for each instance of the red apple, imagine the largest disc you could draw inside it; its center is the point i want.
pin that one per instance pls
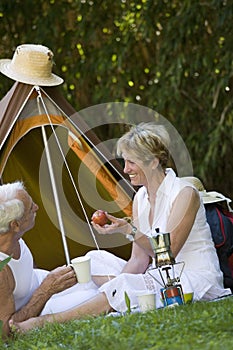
(99, 217)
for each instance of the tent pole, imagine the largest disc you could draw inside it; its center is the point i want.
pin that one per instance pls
(55, 194)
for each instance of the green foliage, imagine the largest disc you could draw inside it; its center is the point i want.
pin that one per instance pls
(204, 326)
(171, 56)
(4, 262)
(127, 302)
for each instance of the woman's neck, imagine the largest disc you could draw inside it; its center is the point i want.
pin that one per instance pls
(154, 183)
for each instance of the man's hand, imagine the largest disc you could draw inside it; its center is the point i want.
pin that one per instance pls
(59, 279)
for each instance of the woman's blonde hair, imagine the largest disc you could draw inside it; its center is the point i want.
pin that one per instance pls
(146, 141)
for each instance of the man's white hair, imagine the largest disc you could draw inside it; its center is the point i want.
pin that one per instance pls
(11, 208)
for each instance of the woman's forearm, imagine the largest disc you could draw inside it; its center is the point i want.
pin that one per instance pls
(136, 265)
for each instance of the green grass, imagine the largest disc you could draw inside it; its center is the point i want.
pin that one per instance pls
(200, 325)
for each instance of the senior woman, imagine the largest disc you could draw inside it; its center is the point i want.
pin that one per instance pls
(163, 202)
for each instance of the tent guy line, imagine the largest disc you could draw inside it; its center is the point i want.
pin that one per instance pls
(52, 178)
(53, 181)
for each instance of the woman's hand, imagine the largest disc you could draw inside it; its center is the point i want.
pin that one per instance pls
(117, 225)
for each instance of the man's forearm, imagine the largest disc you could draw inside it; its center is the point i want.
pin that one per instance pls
(34, 306)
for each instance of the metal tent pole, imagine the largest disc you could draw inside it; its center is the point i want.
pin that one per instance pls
(55, 194)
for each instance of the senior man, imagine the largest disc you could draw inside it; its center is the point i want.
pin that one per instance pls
(25, 291)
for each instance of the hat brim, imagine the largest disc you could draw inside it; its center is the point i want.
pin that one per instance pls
(5, 68)
(211, 197)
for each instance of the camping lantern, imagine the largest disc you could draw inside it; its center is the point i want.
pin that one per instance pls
(169, 270)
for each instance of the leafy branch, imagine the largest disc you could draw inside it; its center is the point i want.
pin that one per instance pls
(4, 262)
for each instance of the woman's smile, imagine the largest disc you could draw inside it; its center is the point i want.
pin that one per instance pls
(132, 176)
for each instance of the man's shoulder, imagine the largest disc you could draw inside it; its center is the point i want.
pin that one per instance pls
(7, 282)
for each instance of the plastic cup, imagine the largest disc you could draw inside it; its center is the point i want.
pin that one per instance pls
(146, 301)
(82, 268)
(188, 298)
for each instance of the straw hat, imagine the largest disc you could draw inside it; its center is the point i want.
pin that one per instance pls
(207, 197)
(31, 64)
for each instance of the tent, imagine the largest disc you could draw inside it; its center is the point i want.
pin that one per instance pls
(66, 170)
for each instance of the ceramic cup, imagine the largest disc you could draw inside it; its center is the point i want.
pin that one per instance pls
(146, 301)
(82, 268)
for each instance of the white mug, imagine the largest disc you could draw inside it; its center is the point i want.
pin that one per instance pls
(82, 268)
(146, 301)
